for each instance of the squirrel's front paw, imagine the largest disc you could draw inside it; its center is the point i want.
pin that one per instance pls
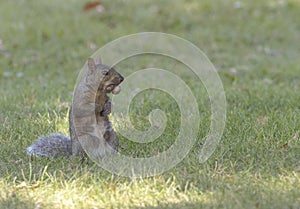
(106, 109)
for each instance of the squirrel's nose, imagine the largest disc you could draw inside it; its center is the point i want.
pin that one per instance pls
(121, 78)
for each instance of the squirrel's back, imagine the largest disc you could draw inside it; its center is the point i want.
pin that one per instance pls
(53, 145)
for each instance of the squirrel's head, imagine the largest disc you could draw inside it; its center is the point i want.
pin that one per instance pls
(110, 78)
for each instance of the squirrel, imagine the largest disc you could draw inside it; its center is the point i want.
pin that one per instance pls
(89, 125)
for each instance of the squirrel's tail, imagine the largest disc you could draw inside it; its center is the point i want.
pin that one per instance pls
(53, 145)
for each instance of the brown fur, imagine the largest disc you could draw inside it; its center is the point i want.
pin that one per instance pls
(93, 128)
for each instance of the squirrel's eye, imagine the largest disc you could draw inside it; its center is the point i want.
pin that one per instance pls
(105, 72)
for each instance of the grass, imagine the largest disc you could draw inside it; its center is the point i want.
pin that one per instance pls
(254, 46)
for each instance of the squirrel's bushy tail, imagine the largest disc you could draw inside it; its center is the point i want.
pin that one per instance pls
(53, 145)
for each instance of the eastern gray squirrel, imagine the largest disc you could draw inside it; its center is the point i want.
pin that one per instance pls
(88, 117)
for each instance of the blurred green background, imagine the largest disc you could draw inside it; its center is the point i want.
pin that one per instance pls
(255, 47)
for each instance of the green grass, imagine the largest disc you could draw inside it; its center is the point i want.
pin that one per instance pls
(255, 48)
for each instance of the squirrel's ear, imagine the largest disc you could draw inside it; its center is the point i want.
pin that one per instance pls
(98, 61)
(91, 64)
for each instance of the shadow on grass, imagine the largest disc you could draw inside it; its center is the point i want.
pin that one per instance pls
(15, 202)
(185, 205)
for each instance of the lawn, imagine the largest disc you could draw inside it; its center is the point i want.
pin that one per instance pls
(255, 48)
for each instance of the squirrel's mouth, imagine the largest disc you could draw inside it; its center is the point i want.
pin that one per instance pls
(113, 88)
